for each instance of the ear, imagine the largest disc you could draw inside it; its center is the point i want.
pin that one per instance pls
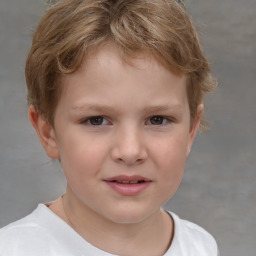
(45, 132)
(194, 127)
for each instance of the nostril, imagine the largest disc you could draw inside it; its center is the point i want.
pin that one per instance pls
(130, 161)
(129, 151)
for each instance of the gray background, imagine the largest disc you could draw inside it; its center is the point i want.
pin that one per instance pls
(219, 188)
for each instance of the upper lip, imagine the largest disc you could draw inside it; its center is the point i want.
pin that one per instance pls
(128, 178)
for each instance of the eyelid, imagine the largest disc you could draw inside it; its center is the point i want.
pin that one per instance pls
(166, 119)
(87, 120)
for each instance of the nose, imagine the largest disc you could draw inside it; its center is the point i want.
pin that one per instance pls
(129, 146)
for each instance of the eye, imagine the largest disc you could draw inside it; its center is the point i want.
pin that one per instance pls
(96, 121)
(157, 120)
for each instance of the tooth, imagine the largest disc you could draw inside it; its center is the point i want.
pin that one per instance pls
(128, 182)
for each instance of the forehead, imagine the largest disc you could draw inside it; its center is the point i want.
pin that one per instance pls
(106, 71)
(110, 49)
(110, 55)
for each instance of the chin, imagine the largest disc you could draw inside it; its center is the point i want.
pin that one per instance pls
(129, 216)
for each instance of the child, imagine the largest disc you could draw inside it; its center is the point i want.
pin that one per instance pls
(115, 91)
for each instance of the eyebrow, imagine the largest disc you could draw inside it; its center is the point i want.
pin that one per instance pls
(93, 107)
(112, 109)
(165, 107)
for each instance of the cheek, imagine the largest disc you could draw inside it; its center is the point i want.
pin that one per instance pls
(82, 166)
(170, 158)
(172, 149)
(81, 157)
(173, 163)
(171, 172)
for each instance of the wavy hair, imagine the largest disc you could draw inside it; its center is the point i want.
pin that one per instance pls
(70, 28)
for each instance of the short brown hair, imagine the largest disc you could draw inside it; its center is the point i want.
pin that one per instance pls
(70, 28)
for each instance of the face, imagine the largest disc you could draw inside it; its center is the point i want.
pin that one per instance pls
(122, 132)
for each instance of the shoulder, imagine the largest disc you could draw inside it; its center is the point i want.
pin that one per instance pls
(25, 236)
(18, 228)
(43, 233)
(191, 239)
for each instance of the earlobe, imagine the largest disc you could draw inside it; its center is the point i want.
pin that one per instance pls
(195, 126)
(45, 132)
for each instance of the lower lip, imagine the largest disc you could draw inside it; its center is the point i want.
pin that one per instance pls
(128, 189)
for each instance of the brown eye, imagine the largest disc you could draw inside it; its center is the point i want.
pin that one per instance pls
(97, 120)
(157, 120)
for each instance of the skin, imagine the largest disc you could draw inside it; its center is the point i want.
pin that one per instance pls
(144, 129)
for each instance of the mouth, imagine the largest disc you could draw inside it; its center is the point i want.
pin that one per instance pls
(128, 179)
(128, 185)
(128, 182)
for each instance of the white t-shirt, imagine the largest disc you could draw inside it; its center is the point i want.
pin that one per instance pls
(42, 233)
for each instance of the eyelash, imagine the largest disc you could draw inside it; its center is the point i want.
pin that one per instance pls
(90, 121)
(164, 120)
(103, 121)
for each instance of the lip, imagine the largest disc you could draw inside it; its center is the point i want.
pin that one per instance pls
(128, 187)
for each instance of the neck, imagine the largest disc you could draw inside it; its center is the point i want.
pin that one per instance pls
(118, 238)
